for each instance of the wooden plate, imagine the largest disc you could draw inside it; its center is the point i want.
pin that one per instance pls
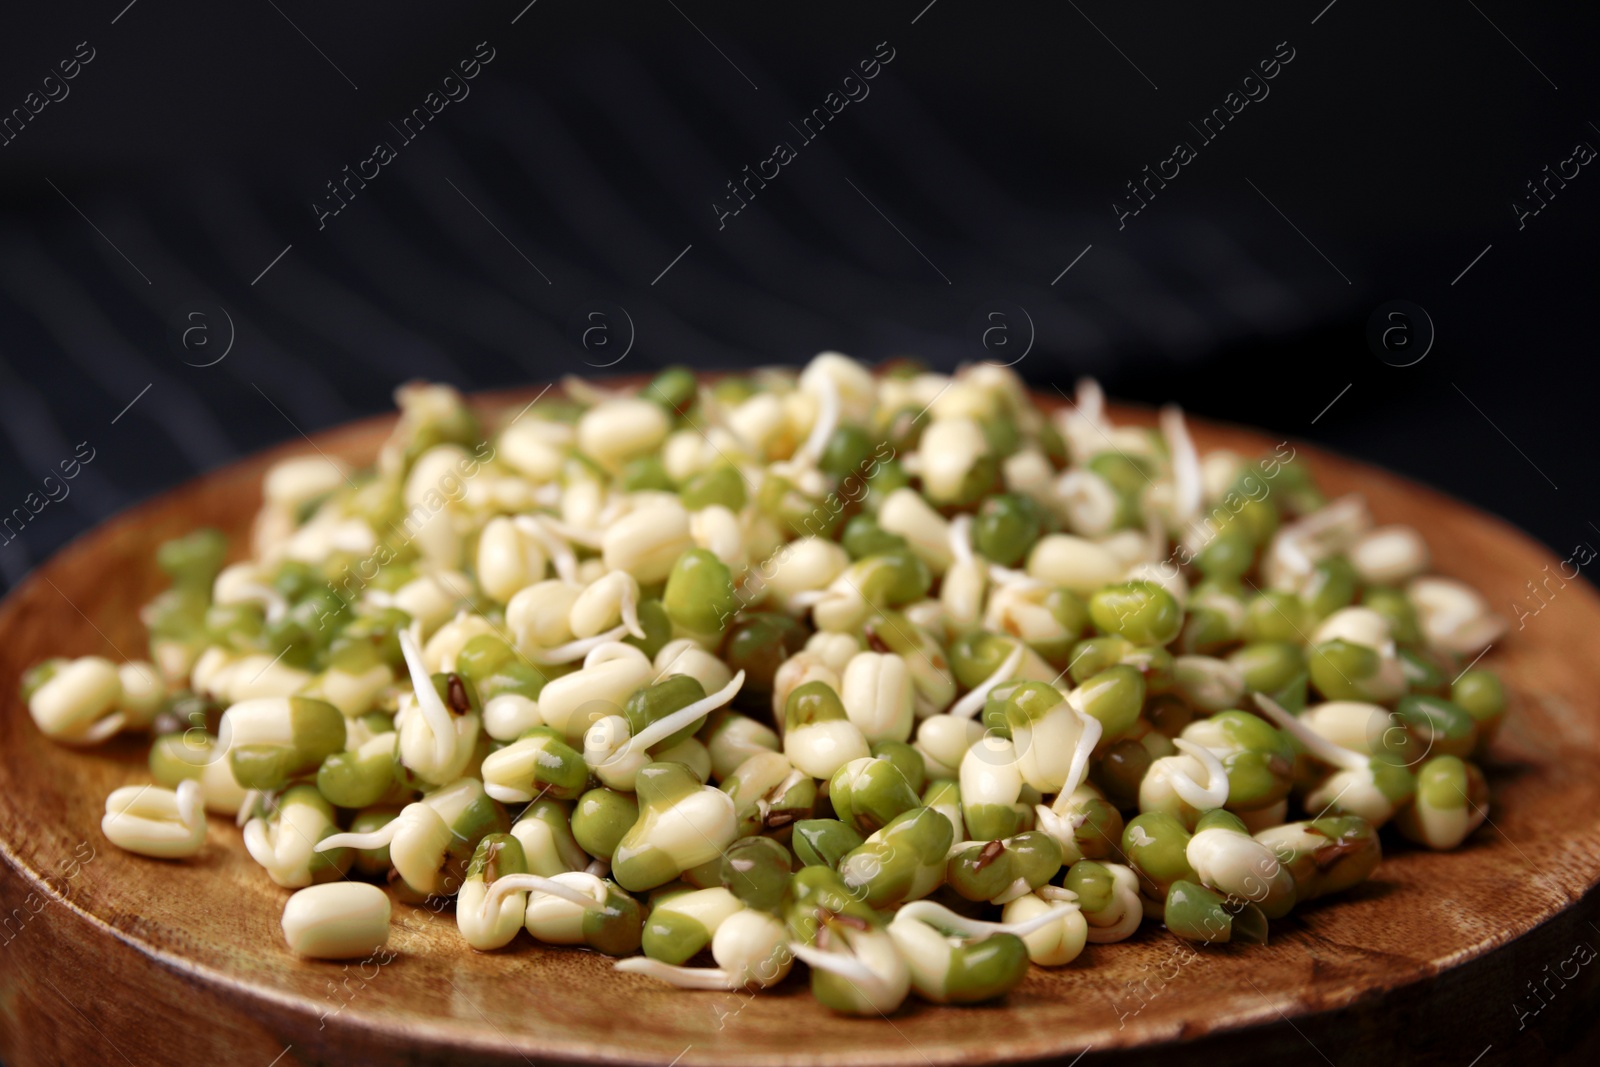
(109, 957)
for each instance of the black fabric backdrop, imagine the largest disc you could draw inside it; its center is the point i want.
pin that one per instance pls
(585, 167)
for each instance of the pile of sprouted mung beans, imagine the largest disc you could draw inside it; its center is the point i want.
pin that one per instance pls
(892, 674)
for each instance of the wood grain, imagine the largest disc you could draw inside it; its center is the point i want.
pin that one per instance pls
(113, 958)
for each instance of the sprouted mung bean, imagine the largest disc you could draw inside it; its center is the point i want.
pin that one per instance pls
(899, 677)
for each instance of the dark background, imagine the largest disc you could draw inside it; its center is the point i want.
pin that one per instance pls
(985, 160)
